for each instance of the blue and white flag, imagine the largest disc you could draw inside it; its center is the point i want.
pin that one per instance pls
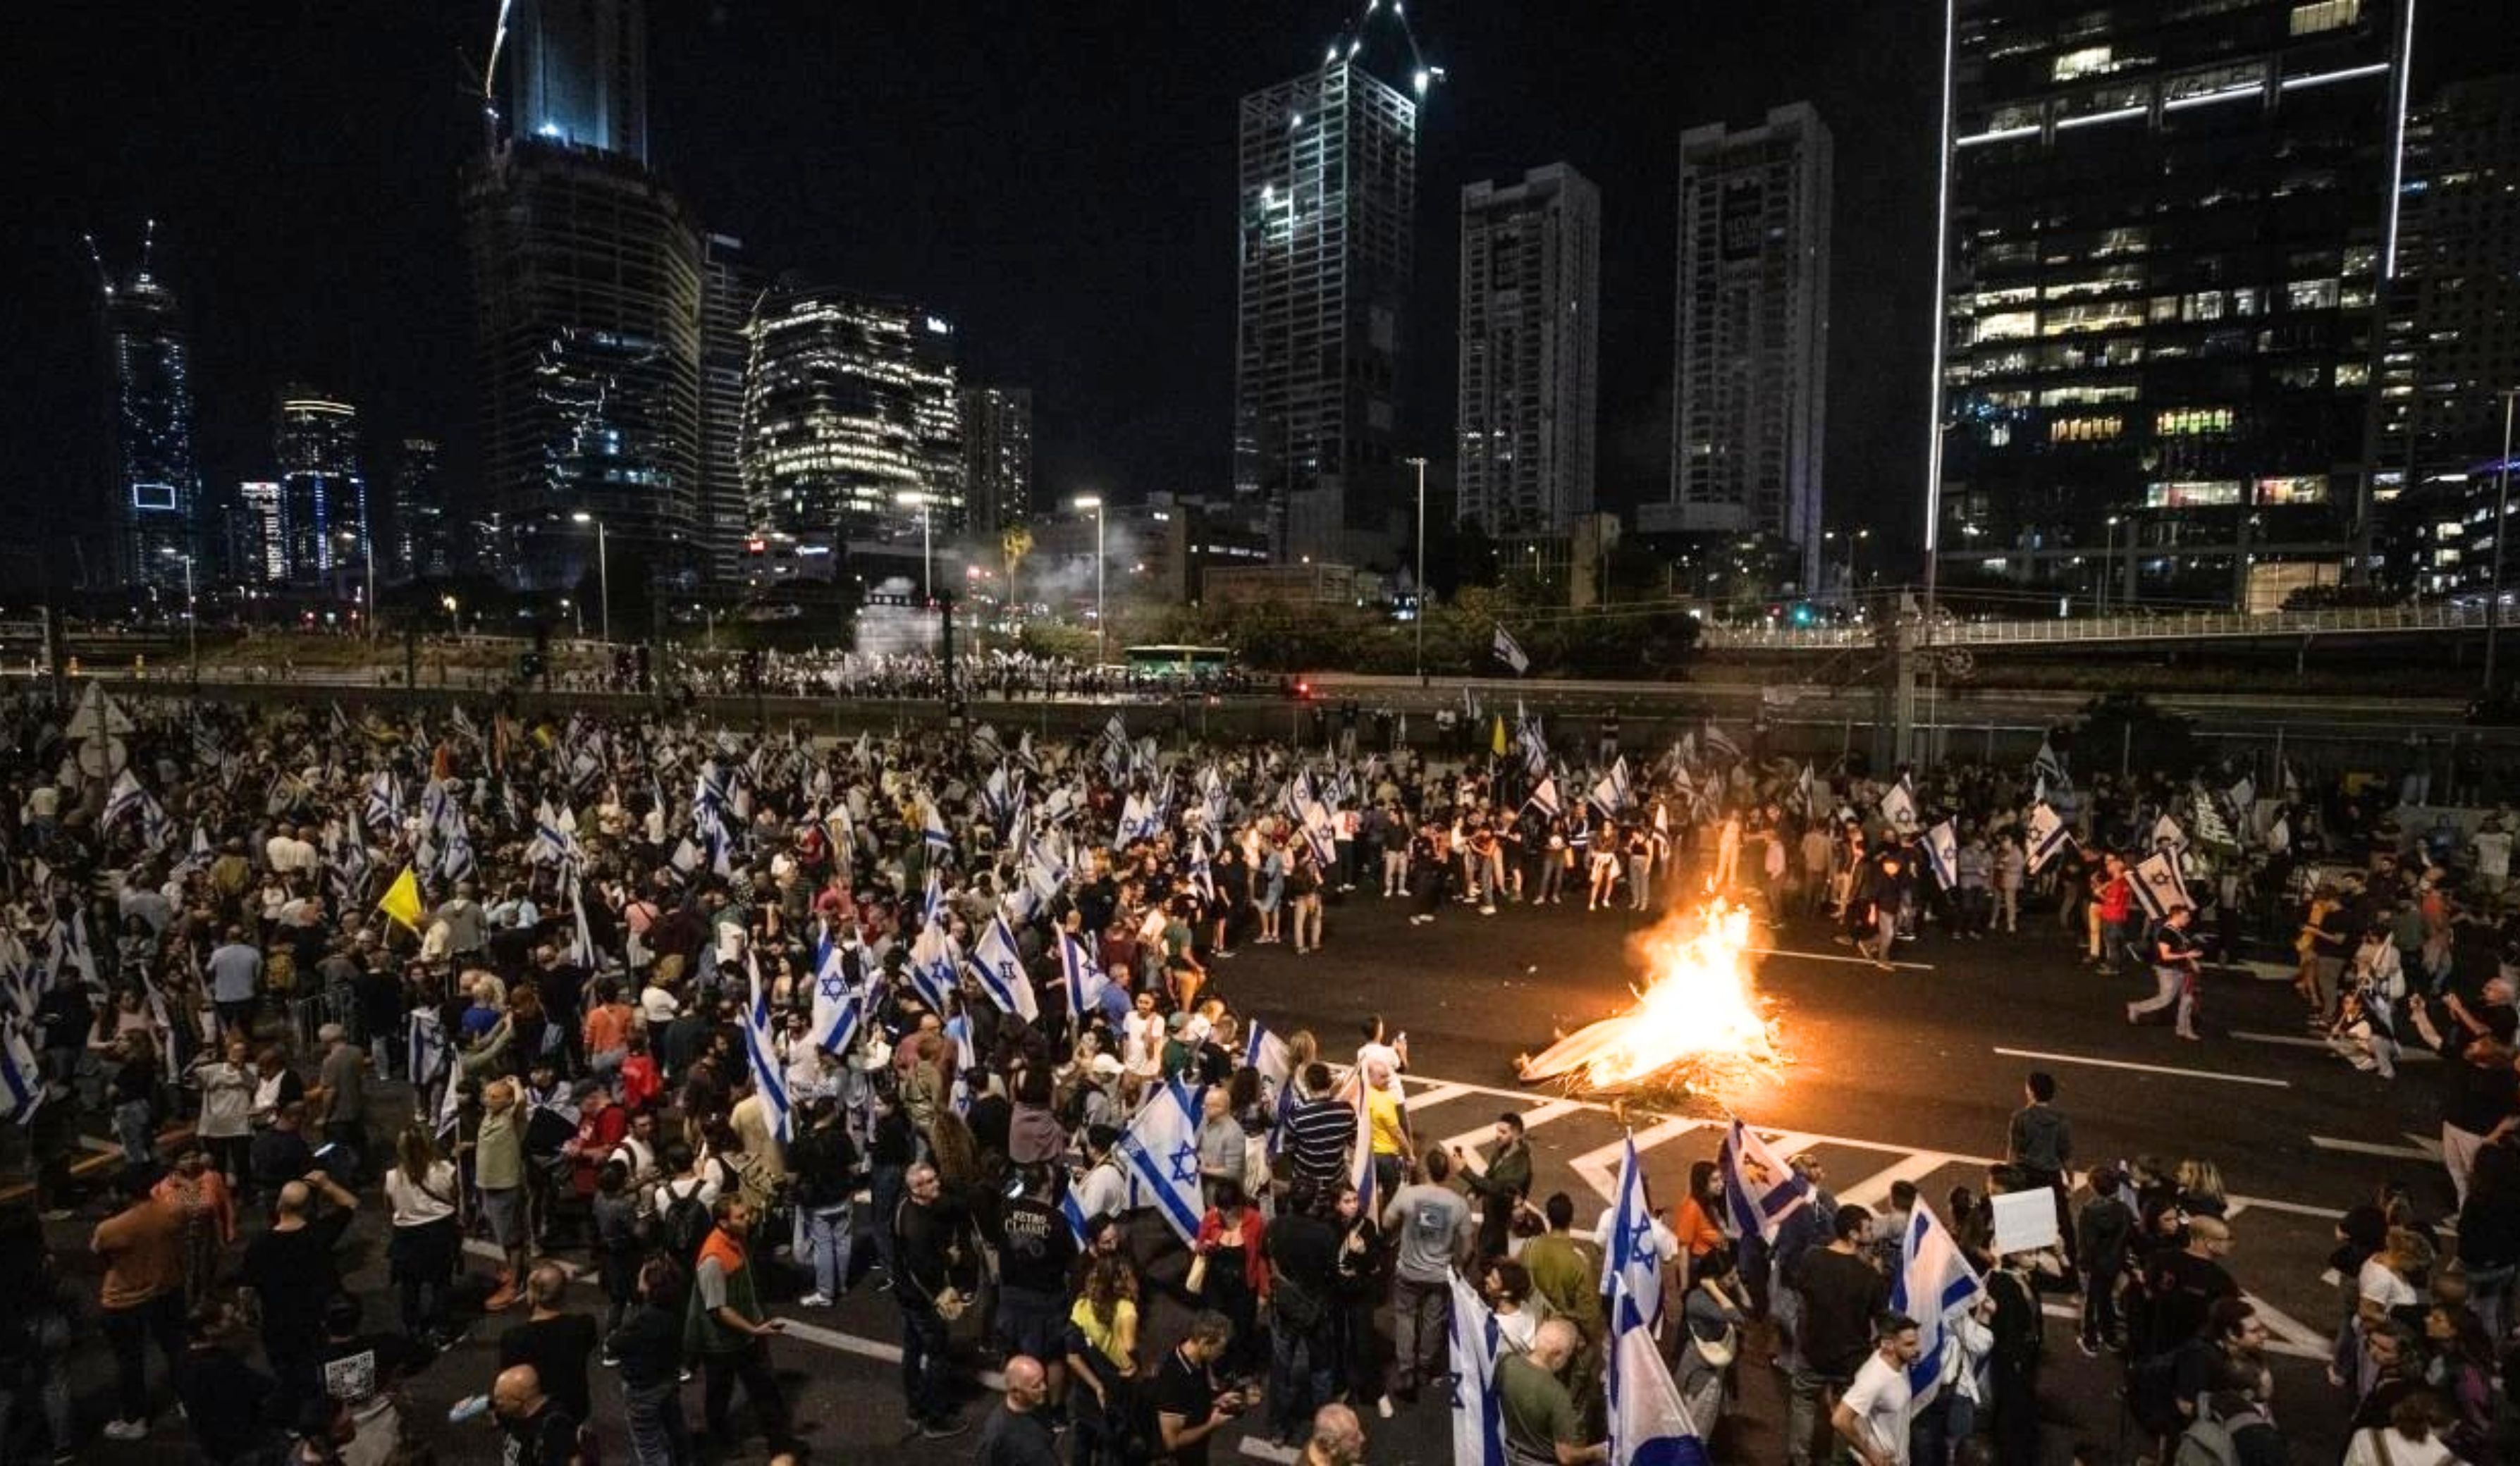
(761, 1049)
(932, 966)
(1934, 1280)
(21, 1079)
(2158, 886)
(1267, 1052)
(933, 827)
(1086, 978)
(1649, 1423)
(2047, 768)
(1760, 1190)
(1510, 652)
(1545, 798)
(424, 1052)
(2045, 835)
(582, 951)
(1631, 1263)
(1070, 1207)
(1942, 853)
(1610, 791)
(1718, 745)
(838, 1010)
(1899, 806)
(1160, 1150)
(1360, 1161)
(1000, 965)
(385, 800)
(1478, 1416)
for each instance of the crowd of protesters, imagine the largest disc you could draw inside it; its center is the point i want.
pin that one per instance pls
(704, 1024)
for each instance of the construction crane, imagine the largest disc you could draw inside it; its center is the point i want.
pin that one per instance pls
(1422, 75)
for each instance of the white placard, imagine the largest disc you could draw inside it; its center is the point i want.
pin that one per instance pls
(2024, 1222)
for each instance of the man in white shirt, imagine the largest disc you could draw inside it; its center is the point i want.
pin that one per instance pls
(1872, 1414)
(289, 851)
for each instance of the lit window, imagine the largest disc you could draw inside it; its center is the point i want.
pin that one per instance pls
(2192, 422)
(2007, 325)
(2303, 488)
(2204, 306)
(2324, 14)
(2085, 429)
(2353, 374)
(2310, 294)
(2193, 493)
(2087, 62)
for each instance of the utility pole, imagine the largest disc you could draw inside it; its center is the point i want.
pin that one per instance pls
(2501, 529)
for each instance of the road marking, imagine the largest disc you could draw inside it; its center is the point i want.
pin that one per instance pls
(1268, 1451)
(1468, 1141)
(2076, 1058)
(1874, 1189)
(2285, 1337)
(1434, 1094)
(2416, 1153)
(1599, 1168)
(1831, 956)
(2405, 1055)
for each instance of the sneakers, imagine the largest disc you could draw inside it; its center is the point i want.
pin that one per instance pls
(608, 1359)
(813, 1301)
(1487, 911)
(943, 1429)
(1383, 1407)
(128, 1429)
(2090, 1349)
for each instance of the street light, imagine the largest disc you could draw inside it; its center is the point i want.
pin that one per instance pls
(915, 499)
(2108, 565)
(1421, 618)
(2501, 527)
(193, 616)
(1101, 626)
(454, 622)
(603, 572)
(577, 613)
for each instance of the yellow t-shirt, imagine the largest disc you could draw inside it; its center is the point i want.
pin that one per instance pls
(1382, 1113)
(1106, 1339)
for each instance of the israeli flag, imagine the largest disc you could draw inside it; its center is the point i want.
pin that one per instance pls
(1000, 965)
(2167, 833)
(839, 1010)
(1611, 791)
(2046, 835)
(582, 951)
(2048, 768)
(761, 1048)
(1086, 978)
(1267, 1052)
(1160, 1150)
(1942, 853)
(1478, 1418)
(1934, 1280)
(424, 1050)
(1546, 799)
(1632, 1265)
(126, 798)
(1718, 745)
(1899, 807)
(932, 966)
(385, 800)
(1760, 1190)
(1073, 1210)
(1361, 1157)
(933, 828)
(1320, 832)
(22, 1079)
(2158, 888)
(1510, 652)
(1649, 1423)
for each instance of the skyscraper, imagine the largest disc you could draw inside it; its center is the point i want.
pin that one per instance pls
(2450, 347)
(1531, 280)
(586, 277)
(424, 530)
(850, 408)
(2169, 229)
(153, 486)
(323, 496)
(1750, 336)
(576, 74)
(730, 288)
(996, 456)
(258, 534)
(1329, 190)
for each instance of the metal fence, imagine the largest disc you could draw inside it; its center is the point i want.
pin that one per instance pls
(2169, 626)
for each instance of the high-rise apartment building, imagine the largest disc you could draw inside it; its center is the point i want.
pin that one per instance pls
(258, 534)
(576, 74)
(2170, 226)
(1750, 336)
(424, 527)
(152, 488)
(852, 420)
(1329, 189)
(324, 495)
(730, 288)
(1530, 308)
(586, 276)
(2451, 336)
(996, 456)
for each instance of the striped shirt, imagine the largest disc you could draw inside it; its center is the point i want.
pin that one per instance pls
(1318, 1133)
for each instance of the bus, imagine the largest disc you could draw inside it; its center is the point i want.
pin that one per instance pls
(1178, 663)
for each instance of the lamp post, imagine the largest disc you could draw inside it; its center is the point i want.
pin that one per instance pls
(2108, 564)
(2501, 527)
(602, 571)
(1421, 618)
(454, 616)
(1101, 625)
(193, 617)
(915, 498)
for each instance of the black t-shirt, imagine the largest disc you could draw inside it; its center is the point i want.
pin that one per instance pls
(1305, 1249)
(226, 1401)
(557, 1348)
(293, 1275)
(1190, 1391)
(547, 1437)
(358, 1369)
(1034, 1246)
(1841, 1294)
(2184, 1287)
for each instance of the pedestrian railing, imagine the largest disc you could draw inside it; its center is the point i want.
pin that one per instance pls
(2167, 626)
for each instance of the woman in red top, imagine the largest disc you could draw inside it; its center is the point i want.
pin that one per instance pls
(1699, 1226)
(1231, 1241)
(2112, 908)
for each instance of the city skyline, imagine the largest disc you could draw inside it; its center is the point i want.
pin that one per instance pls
(364, 164)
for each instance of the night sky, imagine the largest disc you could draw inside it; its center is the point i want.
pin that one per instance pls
(1061, 186)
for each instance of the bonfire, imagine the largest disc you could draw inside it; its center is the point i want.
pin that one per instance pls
(1697, 1023)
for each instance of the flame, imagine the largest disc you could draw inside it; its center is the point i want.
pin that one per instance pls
(1698, 1007)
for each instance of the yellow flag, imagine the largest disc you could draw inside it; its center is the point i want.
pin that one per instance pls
(1497, 745)
(402, 900)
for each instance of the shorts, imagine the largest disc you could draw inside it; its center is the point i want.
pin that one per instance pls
(504, 1208)
(1031, 1323)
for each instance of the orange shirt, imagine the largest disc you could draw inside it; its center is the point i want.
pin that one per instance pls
(608, 1026)
(143, 1247)
(1697, 1230)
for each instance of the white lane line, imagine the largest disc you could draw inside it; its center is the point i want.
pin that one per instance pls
(2284, 1338)
(2236, 1205)
(1599, 1168)
(1831, 956)
(1268, 1451)
(2370, 1148)
(2076, 1058)
(1468, 1141)
(1874, 1189)
(2405, 1055)
(1434, 1094)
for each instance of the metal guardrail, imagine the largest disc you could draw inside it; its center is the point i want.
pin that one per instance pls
(2174, 626)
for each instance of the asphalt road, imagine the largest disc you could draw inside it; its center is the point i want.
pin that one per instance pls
(1909, 1073)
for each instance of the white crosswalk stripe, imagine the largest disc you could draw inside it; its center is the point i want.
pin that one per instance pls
(1874, 1189)
(1599, 1168)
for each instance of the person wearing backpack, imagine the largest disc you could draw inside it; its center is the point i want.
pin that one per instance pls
(682, 1207)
